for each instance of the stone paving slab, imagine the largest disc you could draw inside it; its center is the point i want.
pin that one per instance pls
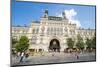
(57, 58)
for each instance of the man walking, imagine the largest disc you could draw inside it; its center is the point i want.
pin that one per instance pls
(76, 54)
(22, 56)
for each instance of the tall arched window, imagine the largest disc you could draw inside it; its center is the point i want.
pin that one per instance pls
(33, 31)
(55, 31)
(48, 30)
(51, 30)
(60, 31)
(34, 39)
(37, 30)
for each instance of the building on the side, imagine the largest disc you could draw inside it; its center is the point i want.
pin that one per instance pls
(51, 33)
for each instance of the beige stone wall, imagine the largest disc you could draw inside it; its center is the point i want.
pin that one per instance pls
(39, 32)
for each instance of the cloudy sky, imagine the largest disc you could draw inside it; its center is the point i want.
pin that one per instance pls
(23, 13)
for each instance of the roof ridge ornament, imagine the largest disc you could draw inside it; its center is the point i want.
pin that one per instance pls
(63, 15)
(46, 13)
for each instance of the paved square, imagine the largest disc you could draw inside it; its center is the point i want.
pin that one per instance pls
(54, 58)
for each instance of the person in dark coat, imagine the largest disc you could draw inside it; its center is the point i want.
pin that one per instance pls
(22, 56)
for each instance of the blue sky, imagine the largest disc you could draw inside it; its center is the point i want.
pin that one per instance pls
(23, 13)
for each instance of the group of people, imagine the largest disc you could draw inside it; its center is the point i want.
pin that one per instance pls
(22, 55)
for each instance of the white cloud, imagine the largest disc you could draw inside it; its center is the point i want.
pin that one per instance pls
(71, 14)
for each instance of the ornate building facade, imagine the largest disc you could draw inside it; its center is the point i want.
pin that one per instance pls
(51, 32)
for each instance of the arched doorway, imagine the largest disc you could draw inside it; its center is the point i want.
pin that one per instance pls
(54, 45)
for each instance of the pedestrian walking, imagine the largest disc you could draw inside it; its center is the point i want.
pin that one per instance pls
(76, 55)
(53, 54)
(18, 55)
(22, 56)
(26, 55)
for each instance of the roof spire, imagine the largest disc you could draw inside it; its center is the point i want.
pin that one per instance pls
(63, 14)
(46, 13)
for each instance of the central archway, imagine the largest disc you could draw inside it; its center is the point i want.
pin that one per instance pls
(54, 45)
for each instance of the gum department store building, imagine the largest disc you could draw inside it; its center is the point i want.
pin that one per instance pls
(50, 33)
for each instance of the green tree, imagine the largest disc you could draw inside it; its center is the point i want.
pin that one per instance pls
(89, 43)
(14, 42)
(94, 42)
(22, 44)
(79, 43)
(70, 43)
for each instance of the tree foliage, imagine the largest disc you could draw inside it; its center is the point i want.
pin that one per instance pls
(14, 42)
(94, 42)
(22, 44)
(79, 43)
(91, 43)
(70, 43)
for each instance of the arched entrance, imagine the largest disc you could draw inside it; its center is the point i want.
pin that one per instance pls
(54, 45)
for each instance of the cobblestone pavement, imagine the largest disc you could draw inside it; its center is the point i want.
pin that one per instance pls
(54, 58)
